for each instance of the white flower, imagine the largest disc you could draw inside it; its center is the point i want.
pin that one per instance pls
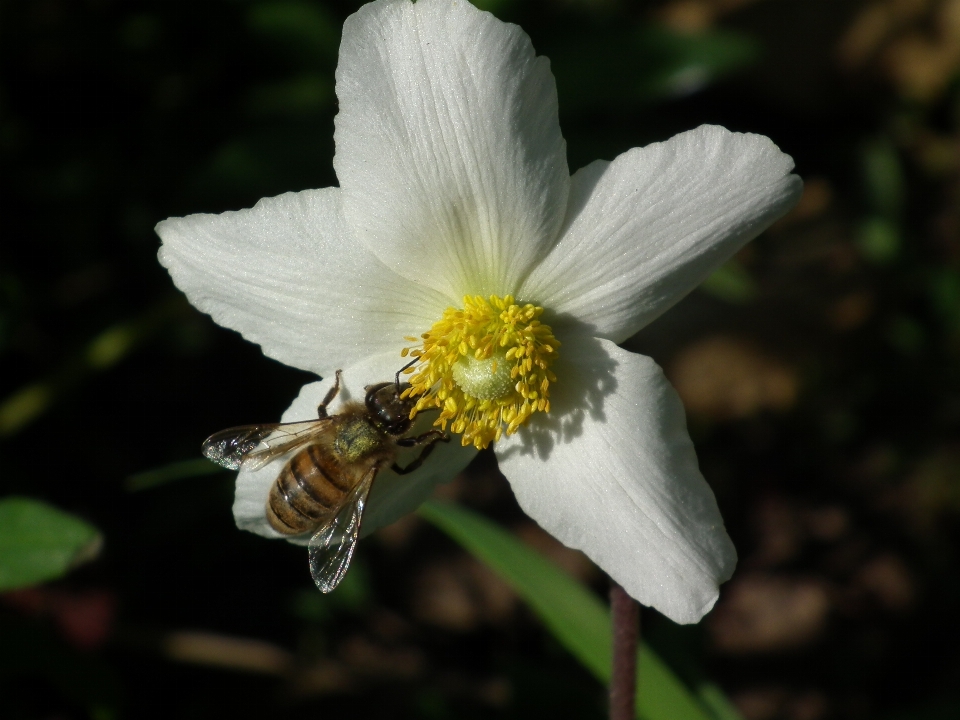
(455, 197)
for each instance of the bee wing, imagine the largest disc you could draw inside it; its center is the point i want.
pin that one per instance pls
(253, 446)
(331, 548)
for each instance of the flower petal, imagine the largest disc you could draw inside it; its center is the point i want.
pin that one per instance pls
(643, 231)
(288, 275)
(392, 495)
(449, 150)
(612, 472)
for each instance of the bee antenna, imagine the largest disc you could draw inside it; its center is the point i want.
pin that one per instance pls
(400, 371)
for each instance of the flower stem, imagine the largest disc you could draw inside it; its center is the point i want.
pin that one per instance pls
(625, 615)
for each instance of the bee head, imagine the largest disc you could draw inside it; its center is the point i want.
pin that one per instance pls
(389, 410)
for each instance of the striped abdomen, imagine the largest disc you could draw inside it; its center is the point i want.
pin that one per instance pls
(310, 489)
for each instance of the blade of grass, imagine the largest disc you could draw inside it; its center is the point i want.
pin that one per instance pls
(572, 613)
(713, 698)
(168, 473)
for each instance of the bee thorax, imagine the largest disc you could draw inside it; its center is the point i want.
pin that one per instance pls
(358, 439)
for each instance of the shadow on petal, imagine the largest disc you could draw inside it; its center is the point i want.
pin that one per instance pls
(585, 378)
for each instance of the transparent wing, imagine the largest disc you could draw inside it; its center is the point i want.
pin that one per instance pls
(253, 446)
(331, 548)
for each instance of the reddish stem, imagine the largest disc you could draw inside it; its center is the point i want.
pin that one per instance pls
(625, 615)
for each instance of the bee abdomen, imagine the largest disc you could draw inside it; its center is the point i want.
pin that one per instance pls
(307, 491)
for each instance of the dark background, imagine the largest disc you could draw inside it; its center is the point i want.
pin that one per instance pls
(819, 369)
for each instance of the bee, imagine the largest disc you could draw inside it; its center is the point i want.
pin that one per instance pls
(323, 488)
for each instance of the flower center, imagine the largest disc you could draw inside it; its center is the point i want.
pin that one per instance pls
(487, 367)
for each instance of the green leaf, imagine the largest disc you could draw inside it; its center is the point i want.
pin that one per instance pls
(713, 698)
(571, 612)
(39, 542)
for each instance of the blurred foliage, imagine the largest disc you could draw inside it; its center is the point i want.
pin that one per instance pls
(38, 542)
(571, 612)
(182, 470)
(820, 369)
(619, 67)
(731, 282)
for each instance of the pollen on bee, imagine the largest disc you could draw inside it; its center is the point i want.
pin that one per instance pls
(485, 366)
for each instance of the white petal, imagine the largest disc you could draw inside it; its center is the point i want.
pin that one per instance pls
(392, 495)
(612, 472)
(449, 150)
(288, 275)
(643, 231)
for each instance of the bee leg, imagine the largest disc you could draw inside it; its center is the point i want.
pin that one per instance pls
(434, 436)
(431, 435)
(331, 394)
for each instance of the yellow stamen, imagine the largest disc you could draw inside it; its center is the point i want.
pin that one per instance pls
(486, 367)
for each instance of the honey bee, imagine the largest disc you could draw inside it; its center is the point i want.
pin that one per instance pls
(323, 488)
